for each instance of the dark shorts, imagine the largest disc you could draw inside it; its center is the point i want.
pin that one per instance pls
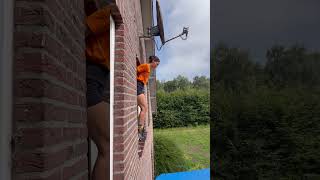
(140, 88)
(98, 86)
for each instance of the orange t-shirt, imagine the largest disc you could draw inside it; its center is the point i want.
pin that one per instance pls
(143, 72)
(98, 43)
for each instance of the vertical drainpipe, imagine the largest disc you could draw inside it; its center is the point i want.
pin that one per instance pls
(6, 61)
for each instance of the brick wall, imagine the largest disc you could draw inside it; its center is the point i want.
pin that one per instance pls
(49, 124)
(131, 161)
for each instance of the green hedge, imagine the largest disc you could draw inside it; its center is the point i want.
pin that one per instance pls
(266, 134)
(182, 108)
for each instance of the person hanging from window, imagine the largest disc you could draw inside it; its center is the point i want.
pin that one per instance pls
(98, 65)
(143, 73)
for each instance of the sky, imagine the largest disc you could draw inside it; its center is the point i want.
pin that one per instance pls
(189, 57)
(256, 25)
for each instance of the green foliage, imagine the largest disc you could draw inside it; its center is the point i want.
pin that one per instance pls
(182, 108)
(168, 158)
(233, 68)
(179, 83)
(182, 103)
(265, 119)
(292, 66)
(201, 82)
(181, 149)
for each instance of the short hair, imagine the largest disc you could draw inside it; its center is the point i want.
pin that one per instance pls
(153, 58)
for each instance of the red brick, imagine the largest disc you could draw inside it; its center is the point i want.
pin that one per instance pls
(120, 39)
(42, 88)
(118, 167)
(118, 177)
(31, 112)
(120, 59)
(120, 46)
(84, 177)
(120, 81)
(76, 116)
(54, 113)
(37, 161)
(119, 89)
(80, 149)
(30, 39)
(120, 67)
(49, 39)
(123, 112)
(119, 130)
(36, 112)
(120, 120)
(79, 166)
(118, 147)
(119, 33)
(120, 27)
(53, 176)
(38, 137)
(30, 15)
(38, 62)
(83, 133)
(118, 157)
(70, 134)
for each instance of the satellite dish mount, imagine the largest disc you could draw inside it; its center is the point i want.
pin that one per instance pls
(159, 30)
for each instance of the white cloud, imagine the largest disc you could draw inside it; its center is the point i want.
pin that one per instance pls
(191, 57)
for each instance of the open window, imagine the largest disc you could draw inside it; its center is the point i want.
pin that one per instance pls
(91, 7)
(141, 59)
(146, 48)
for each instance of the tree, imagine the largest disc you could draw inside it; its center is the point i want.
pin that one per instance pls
(170, 86)
(292, 66)
(233, 68)
(270, 130)
(201, 82)
(159, 86)
(180, 82)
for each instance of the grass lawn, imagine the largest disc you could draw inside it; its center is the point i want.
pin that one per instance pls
(182, 149)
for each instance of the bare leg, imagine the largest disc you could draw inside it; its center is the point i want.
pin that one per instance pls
(98, 130)
(142, 103)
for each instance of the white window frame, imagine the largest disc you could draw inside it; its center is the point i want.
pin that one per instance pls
(93, 148)
(112, 52)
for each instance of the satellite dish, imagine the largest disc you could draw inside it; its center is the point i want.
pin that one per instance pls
(160, 23)
(159, 29)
